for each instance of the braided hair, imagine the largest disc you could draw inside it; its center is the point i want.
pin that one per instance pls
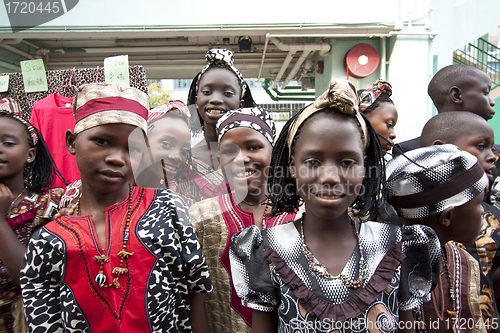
(40, 174)
(283, 189)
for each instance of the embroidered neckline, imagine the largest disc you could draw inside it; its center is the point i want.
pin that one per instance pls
(319, 268)
(100, 278)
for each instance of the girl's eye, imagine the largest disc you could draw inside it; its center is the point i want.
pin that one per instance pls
(481, 146)
(229, 93)
(166, 144)
(206, 92)
(389, 125)
(228, 152)
(133, 151)
(348, 163)
(8, 143)
(254, 148)
(185, 151)
(312, 163)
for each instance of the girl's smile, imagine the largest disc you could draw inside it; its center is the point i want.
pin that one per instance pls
(245, 155)
(170, 141)
(218, 92)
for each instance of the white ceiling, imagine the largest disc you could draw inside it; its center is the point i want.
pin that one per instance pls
(176, 54)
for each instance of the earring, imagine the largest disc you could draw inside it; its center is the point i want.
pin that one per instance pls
(293, 175)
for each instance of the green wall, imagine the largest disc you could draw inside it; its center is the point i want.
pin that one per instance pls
(495, 121)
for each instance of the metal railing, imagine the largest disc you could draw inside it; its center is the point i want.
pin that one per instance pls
(483, 55)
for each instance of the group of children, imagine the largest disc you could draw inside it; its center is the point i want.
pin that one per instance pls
(246, 232)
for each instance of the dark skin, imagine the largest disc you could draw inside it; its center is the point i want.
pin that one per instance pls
(218, 91)
(323, 169)
(327, 177)
(244, 148)
(473, 96)
(15, 151)
(102, 155)
(448, 226)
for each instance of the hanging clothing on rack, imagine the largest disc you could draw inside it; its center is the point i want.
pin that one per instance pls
(58, 78)
(53, 116)
(50, 111)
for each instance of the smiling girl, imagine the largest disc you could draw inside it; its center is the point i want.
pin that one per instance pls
(326, 271)
(165, 161)
(215, 90)
(246, 137)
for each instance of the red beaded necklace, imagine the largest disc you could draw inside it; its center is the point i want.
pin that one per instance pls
(100, 278)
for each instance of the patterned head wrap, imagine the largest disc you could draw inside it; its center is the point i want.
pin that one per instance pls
(370, 95)
(98, 104)
(177, 107)
(255, 118)
(341, 95)
(224, 57)
(12, 108)
(429, 180)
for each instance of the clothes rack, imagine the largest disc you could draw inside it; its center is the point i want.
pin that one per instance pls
(60, 78)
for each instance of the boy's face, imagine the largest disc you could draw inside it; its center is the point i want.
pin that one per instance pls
(466, 222)
(476, 96)
(102, 156)
(477, 138)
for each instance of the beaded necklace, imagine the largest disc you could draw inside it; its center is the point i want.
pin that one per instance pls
(13, 202)
(454, 290)
(100, 278)
(319, 269)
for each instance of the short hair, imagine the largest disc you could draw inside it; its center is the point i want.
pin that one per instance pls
(447, 77)
(446, 127)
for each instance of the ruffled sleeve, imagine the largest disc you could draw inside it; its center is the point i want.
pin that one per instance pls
(251, 272)
(421, 268)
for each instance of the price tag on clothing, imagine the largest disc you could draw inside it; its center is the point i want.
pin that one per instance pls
(4, 83)
(116, 70)
(34, 76)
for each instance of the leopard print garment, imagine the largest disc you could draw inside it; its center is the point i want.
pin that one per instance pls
(162, 234)
(484, 250)
(59, 78)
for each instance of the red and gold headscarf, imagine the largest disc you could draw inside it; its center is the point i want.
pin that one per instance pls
(370, 95)
(105, 103)
(12, 108)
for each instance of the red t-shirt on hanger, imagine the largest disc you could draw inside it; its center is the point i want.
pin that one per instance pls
(53, 116)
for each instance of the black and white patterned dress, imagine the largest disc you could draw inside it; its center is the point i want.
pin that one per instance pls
(271, 273)
(57, 276)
